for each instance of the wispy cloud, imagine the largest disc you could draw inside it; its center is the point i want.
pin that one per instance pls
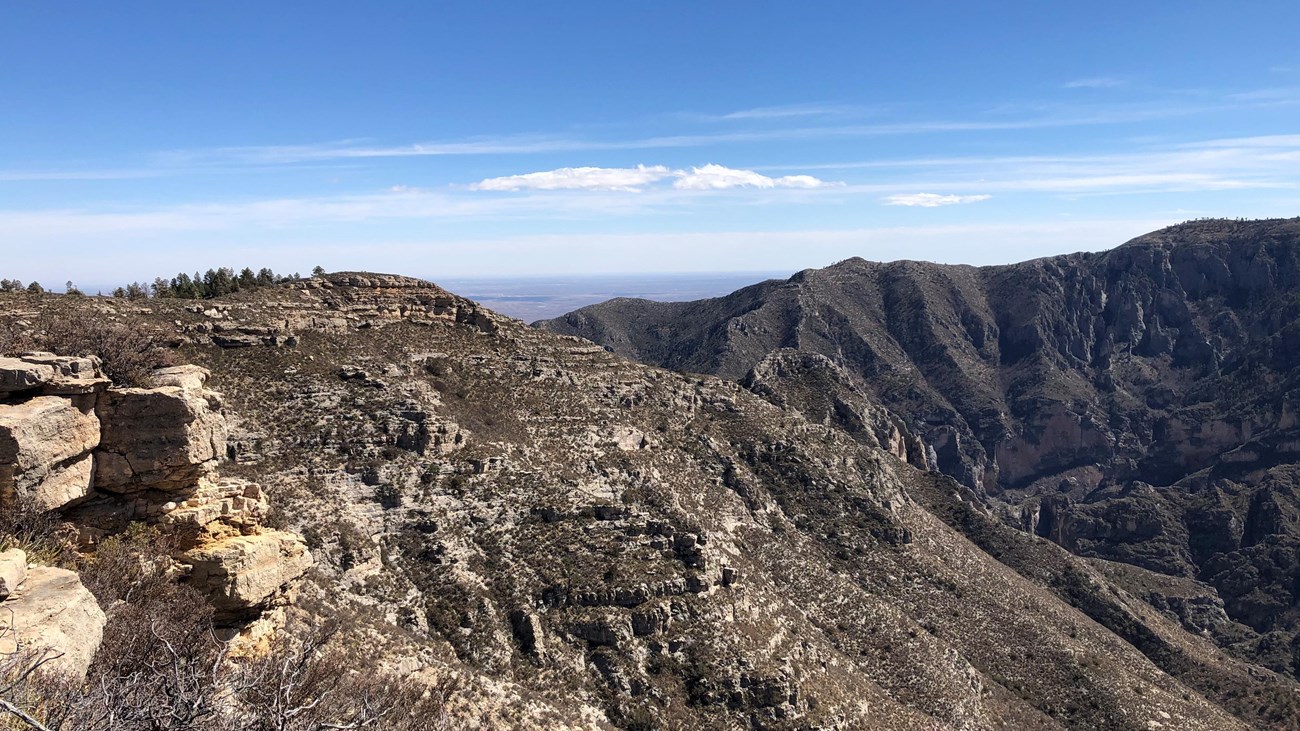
(1256, 141)
(1259, 162)
(1096, 82)
(22, 176)
(1061, 117)
(789, 111)
(582, 178)
(1284, 95)
(397, 204)
(705, 177)
(932, 200)
(789, 124)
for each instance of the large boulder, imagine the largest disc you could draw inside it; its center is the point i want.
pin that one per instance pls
(243, 574)
(165, 438)
(45, 445)
(54, 614)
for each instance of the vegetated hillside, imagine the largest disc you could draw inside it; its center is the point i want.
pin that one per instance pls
(1135, 405)
(586, 542)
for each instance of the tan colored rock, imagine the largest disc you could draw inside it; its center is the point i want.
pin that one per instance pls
(13, 569)
(630, 439)
(239, 504)
(165, 438)
(184, 377)
(45, 446)
(53, 612)
(52, 374)
(85, 366)
(243, 574)
(17, 375)
(63, 485)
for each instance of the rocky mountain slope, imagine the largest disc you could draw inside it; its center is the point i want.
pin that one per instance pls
(572, 540)
(1135, 405)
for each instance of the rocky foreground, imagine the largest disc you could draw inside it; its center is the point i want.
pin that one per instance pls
(566, 539)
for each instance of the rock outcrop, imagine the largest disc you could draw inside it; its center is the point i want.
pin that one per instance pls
(48, 428)
(163, 438)
(240, 575)
(337, 302)
(13, 570)
(106, 457)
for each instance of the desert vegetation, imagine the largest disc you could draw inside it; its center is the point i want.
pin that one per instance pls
(128, 347)
(162, 665)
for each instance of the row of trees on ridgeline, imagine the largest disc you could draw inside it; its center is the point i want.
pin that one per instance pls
(16, 285)
(212, 283)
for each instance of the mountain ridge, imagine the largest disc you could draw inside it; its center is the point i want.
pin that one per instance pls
(581, 541)
(1061, 388)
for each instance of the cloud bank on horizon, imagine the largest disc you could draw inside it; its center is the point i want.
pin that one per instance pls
(373, 143)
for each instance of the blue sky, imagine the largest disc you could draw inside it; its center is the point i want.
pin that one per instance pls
(500, 139)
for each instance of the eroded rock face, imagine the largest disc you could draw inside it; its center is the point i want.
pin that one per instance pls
(151, 459)
(52, 611)
(39, 372)
(164, 438)
(17, 375)
(825, 393)
(45, 446)
(243, 574)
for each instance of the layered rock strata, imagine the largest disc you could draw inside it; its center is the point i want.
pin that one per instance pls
(105, 457)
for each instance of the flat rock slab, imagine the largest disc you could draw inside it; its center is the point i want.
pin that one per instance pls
(184, 377)
(63, 485)
(17, 375)
(51, 374)
(53, 612)
(45, 430)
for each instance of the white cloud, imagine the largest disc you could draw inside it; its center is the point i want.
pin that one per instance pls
(631, 180)
(719, 177)
(1283, 95)
(932, 200)
(585, 178)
